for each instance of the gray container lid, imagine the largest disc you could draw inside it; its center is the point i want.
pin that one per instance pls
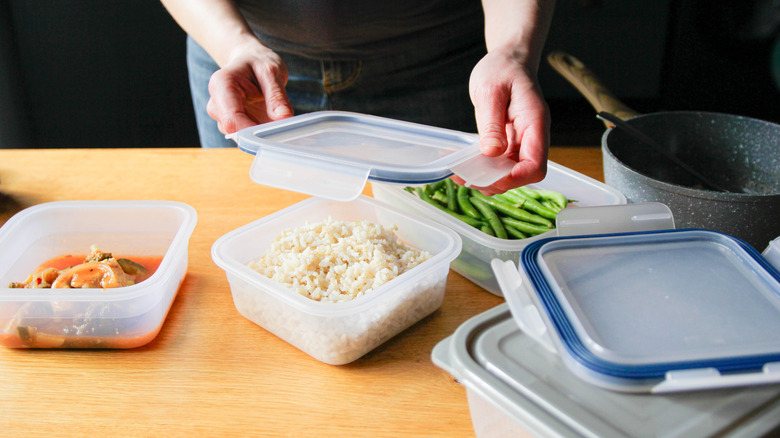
(532, 387)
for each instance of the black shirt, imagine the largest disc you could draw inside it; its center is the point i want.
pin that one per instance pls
(333, 29)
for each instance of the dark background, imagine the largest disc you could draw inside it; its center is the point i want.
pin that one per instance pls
(96, 73)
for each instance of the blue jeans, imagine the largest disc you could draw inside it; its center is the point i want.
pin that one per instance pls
(420, 85)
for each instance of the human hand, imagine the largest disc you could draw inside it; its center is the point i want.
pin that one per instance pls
(512, 117)
(249, 89)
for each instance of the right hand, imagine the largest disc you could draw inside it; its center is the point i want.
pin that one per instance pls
(249, 89)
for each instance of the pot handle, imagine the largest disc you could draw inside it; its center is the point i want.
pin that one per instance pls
(601, 98)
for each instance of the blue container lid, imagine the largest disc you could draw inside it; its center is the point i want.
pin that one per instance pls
(332, 154)
(667, 310)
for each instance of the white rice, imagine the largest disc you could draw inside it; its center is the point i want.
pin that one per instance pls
(334, 261)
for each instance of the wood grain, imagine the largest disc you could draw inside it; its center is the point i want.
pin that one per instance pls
(211, 372)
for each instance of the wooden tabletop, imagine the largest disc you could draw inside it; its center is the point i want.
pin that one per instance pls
(210, 371)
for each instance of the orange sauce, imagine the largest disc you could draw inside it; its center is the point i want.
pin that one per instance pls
(151, 263)
(52, 337)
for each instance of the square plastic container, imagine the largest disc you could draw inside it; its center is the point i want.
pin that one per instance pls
(337, 333)
(124, 317)
(480, 248)
(656, 311)
(517, 388)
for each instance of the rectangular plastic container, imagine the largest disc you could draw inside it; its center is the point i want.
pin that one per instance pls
(517, 388)
(337, 333)
(650, 311)
(124, 317)
(480, 248)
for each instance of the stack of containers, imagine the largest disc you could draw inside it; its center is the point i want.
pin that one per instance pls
(626, 333)
(517, 388)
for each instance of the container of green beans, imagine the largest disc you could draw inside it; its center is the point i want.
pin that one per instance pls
(498, 226)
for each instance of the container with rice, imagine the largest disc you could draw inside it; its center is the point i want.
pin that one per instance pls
(337, 279)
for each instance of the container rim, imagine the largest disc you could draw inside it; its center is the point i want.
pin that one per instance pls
(179, 244)
(231, 266)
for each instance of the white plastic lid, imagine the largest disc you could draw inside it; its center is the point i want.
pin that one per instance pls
(331, 154)
(666, 310)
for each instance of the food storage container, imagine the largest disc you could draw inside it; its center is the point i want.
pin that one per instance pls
(333, 154)
(123, 317)
(517, 388)
(339, 151)
(772, 252)
(480, 248)
(656, 311)
(337, 333)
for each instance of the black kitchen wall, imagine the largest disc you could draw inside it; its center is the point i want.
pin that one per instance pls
(666, 55)
(98, 73)
(724, 56)
(93, 73)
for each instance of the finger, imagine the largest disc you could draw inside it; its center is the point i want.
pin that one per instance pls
(228, 121)
(228, 95)
(490, 106)
(272, 80)
(531, 164)
(531, 157)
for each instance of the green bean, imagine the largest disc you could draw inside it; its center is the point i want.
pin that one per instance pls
(449, 187)
(512, 211)
(487, 229)
(511, 198)
(556, 198)
(473, 267)
(434, 187)
(440, 196)
(551, 205)
(514, 232)
(515, 214)
(534, 206)
(464, 203)
(525, 227)
(462, 217)
(529, 192)
(491, 216)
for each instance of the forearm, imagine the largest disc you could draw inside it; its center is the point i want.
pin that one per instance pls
(518, 26)
(216, 25)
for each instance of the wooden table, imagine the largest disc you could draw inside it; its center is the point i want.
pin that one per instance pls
(210, 371)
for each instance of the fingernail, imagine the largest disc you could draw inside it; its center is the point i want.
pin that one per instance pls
(281, 111)
(492, 146)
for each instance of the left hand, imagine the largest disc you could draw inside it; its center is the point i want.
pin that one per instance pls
(512, 118)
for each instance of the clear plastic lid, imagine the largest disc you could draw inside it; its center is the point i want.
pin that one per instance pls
(691, 308)
(332, 154)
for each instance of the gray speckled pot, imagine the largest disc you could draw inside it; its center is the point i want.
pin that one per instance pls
(736, 151)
